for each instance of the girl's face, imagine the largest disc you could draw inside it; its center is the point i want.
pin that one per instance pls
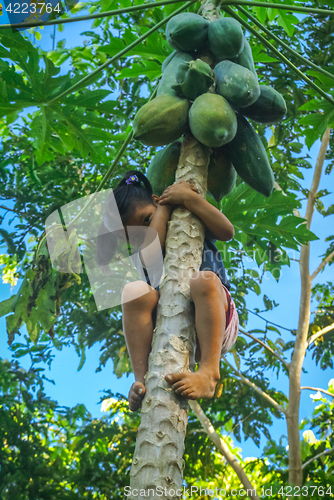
(142, 217)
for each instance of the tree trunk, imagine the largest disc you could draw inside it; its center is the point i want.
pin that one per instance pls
(157, 463)
(295, 459)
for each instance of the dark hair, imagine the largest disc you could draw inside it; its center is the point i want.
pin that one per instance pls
(128, 197)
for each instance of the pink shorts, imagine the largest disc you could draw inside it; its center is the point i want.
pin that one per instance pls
(232, 324)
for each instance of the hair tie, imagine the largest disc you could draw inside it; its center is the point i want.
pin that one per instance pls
(132, 179)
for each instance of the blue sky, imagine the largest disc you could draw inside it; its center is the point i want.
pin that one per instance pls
(72, 387)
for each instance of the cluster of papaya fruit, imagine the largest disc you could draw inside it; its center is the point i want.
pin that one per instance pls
(209, 85)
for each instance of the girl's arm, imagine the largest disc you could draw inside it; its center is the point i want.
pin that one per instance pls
(159, 222)
(216, 222)
(148, 254)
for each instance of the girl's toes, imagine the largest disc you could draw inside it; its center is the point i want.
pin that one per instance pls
(177, 385)
(185, 393)
(191, 395)
(171, 378)
(139, 389)
(180, 389)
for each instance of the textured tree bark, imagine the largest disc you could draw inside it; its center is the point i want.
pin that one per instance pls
(295, 459)
(157, 460)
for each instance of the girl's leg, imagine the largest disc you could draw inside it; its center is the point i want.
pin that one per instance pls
(138, 306)
(210, 318)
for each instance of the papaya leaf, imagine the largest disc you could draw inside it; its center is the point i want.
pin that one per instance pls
(46, 306)
(6, 306)
(108, 107)
(4, 53)
(122, 366)
(326, 82)
(38, 131)
(287, 21)
(29, 62)
(74, 135)
(88, 99)
(150, 69)
(82, 359)
(14, 40)
(112, 48)
(33, 326)
(261, 13)
(153, 48)
(21, 309)
(13, 323)
(93, 119)
(3, 65)
(9, 240)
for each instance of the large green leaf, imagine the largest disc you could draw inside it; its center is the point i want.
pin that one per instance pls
(38, 131)
(16, 41)
(150, 69)
(33, 326)
(45, 308)
(88, 99)
(258, 216)
(6, 306)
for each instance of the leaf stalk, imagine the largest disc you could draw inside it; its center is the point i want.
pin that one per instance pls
(284, 45)
(278, 54)
(119, 55)
(109, 13)
(283, 6)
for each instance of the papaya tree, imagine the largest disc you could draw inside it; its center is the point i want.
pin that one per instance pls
(54, 153)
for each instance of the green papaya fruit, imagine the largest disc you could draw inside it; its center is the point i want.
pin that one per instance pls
(207, 56)
(212, 120)
(269, 108)
(187, 31)
(194, 78)
(245, 58)
(161, 171)
(168, 60)
(237, 84)
(161, 121)
(221, 174)
(226, 38)
(169, 75)
(250, 159)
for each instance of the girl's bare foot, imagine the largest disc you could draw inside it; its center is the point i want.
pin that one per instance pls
(194, 385)
(136, 395)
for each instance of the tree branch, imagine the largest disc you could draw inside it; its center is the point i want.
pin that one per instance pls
(317, 389)
(270, 322)
(320, 333)
(266, 396)
(316, 178)
(298, 356)
(266, 347)
(322, 265)
(223, 449)
(326, 452)
(19, 214)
